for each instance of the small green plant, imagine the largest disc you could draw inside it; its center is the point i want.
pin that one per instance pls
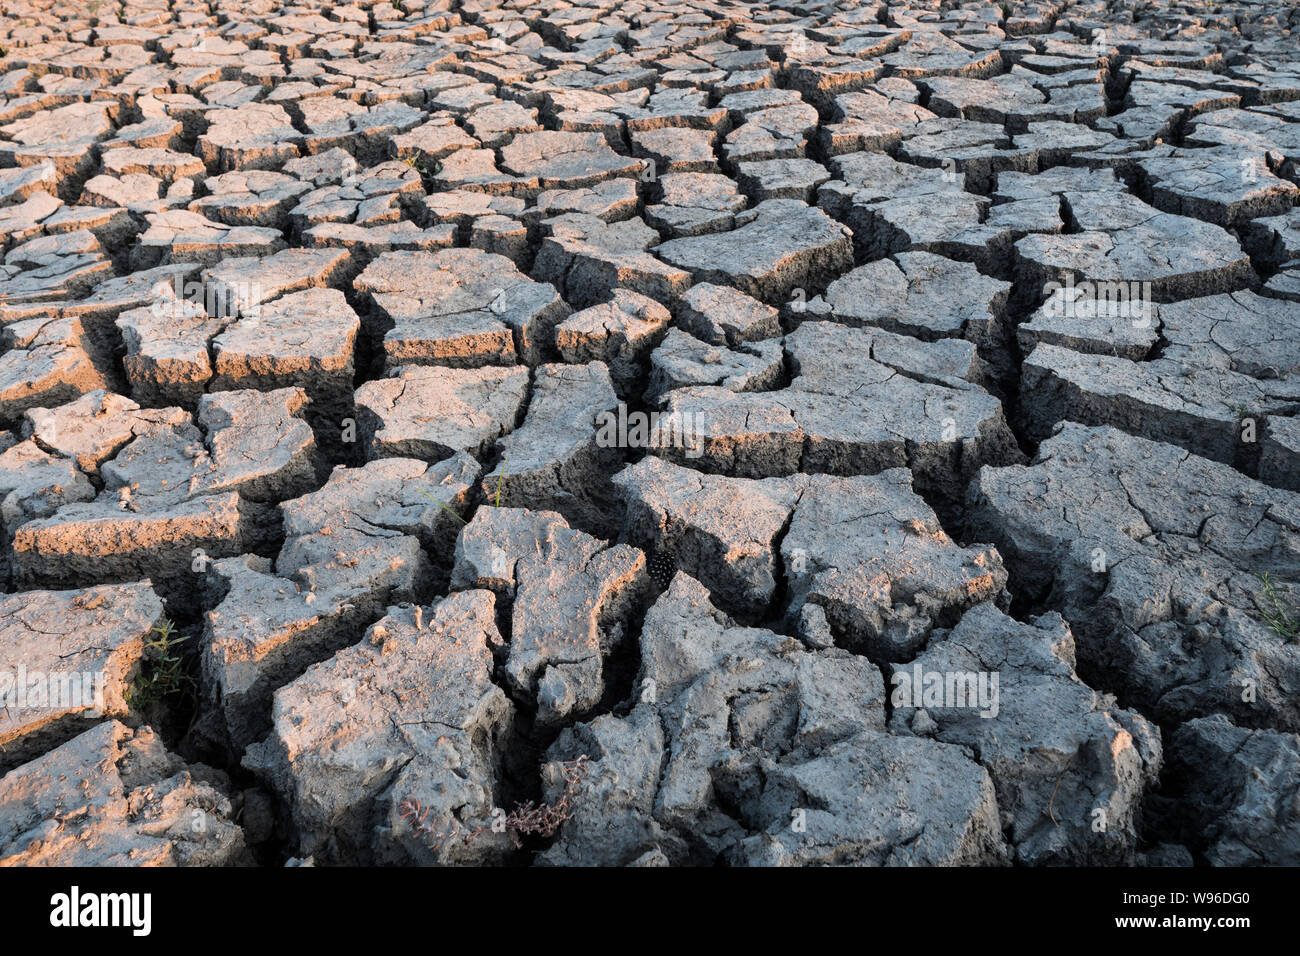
(163, 673)
(1281, 619)
(447, 508)
(421, 164)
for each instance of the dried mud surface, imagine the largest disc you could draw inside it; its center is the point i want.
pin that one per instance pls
(456, 432)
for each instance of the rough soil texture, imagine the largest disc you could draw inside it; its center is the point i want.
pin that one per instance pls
(459, 432)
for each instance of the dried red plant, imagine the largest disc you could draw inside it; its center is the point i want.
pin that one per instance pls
(527, 819)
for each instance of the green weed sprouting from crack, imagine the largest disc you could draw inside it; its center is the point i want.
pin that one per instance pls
(1283, 621)
(501, 477)
(447, 508)
(420, 163)
(163, 672)
(443, 505)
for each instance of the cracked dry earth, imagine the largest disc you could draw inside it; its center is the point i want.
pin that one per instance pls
(315, 316)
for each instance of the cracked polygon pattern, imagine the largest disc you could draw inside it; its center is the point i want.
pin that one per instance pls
(744, 434)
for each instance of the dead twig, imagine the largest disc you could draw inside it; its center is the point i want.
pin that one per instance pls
(1069, 763)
